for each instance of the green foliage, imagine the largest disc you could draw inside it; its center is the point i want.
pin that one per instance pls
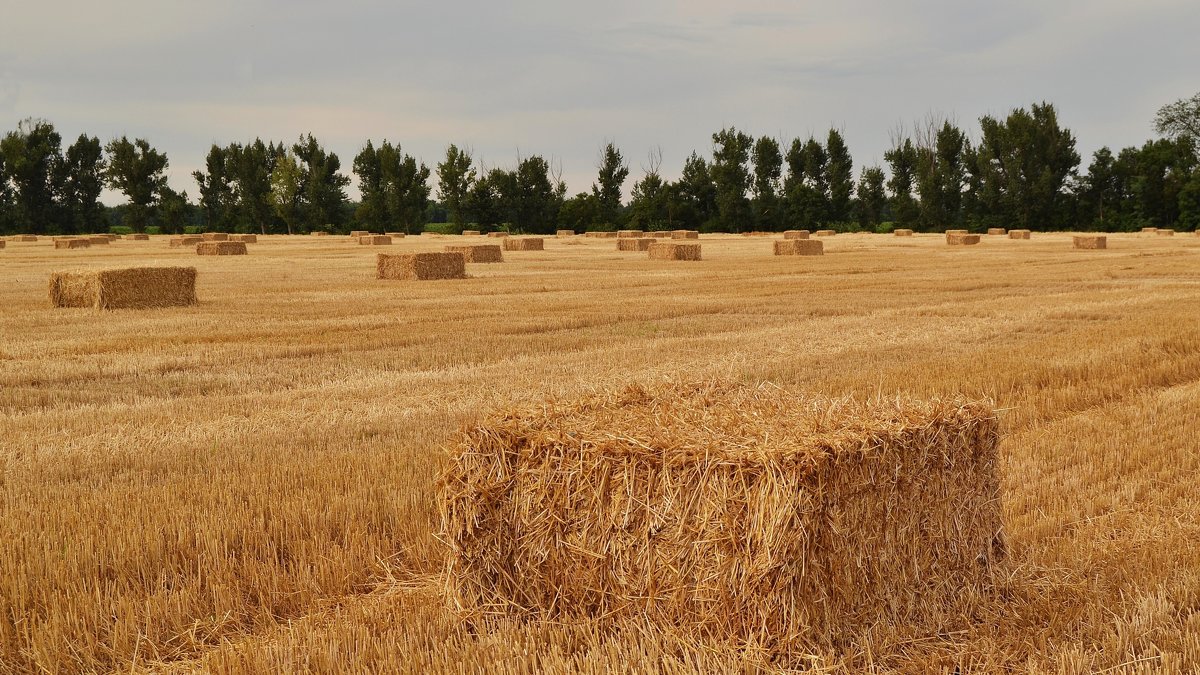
(137, 170)
(768, 167)
(455, 177)
(1189, 203)
(582, 212)
(82, 179)
(940, 176)
(528, 199)
(173, 209)
(217, 198)
(1180, 119)
(903, 161)
(694, 201)
(730, 175)
(286, 186)
(445, 228)
(807, 185)
(32, 158)
(249, 168)
(839, 171)
(607, 189)
(322, 186)
(872, 198)
(395, 189)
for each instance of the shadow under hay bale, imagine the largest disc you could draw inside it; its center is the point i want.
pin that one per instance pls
(796, 234)
(478, 253)
(524, 244)
(375, 240)
(961, 239)
(800, 247)
(671, 250)
(421, 266)
(1090, 241)
(685, 234)
(72, 243)
(902, 233)
(745, 515)
(220, 248)
(244, 238)
(1018, 234)
(124, 288)
(641, 244)
(187, 240)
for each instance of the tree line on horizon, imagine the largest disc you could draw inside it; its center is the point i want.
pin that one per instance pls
(1020, 171)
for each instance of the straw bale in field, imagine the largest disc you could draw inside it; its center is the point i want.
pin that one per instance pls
(902, 233)
(800, 247)
(524, 244)
(137, 237)
(670, 250)
(319, 234)
(997, 231)
(220, 248)
(961, 239)
(355, 234)
(470, 233)
(99, 240)
(1149, 230)
(216, 236)
(497, 235)
(1018, 234)
(375, 240)
(186, 240)
(630, 234)
(421, 266)
(25, 237)
(1166, 232)
(796, 234)
(2, 243)
(478, 253)
(124, 288)
(639, 244)
(957, 232)
(1090, 241)
(244, 238)
(395, 235)
(685, 234)
(738, 514)
(662, 234)
(564, 233)
(72, 242)
(825, 233)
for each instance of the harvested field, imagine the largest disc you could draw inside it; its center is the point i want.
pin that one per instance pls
(961, 238)
(72, 242)
(641, 244)
(478, 253)
(355, 234)
(25, 237)
(375, 240)
(800, 247)
(248, 485)
(124, 288)
(220, 248)
(671, 250)
(318, 234)
(796, 234)
(524, 244)
(420, 266)
(1090, 241)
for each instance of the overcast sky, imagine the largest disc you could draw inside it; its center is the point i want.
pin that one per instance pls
(558, 78)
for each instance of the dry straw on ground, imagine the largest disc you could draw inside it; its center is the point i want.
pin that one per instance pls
(997, 231)
(124, 288)
(670, 250)
(470, 233)
(640, 244)
(685, 234)
(735, 514)
(1018, 234)
(524, 244)
(956, 238)
(902, 233)
(564, 233)
(796, 234)
(220, 248)
(478, 253)
(1090, 241)
(244, 238)
(800, 247)
(375, 240)
(73, 242)
(825, 233)
(186, 240)
(420, 266)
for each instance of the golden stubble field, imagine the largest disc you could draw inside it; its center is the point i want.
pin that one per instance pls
(247, 485)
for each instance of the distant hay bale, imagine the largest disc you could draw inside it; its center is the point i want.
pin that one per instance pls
(524, 244)
(564, 233)
(244, 238)
(902, 233)
(640, 244)
(2, 243)
(355, 234)
(796, 234)
(375, 240)
(997, 231)
(825, 233)
(1090, 241)
(497, 235)
(630, 234)
(670, 250)
(957, 238)
(72, 242)
(594, 234)
(1162, 232)
(186, 240)
(478, 253)
(685, 234)
(215, 236)
(99, 240)
(741, 514)
(1149, 230)
(421, 266)
(395, 235)
(220, 248)
(957, 232)
(25, 238)
(661, 234)
(1018, 234)
(800, 247)
(470, 233)
(318, 234)
(137, 237)
(124, 288)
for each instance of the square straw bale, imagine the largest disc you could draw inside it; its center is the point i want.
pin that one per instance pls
(215, 236)
(478, 253)
(421, 266)
(1166, 232)
(2, 243)
(395, 235)
(375, 240)
(902, 233)
(671, 250)
(524, 244)
(630, 234)
(497, 235)
(220, 248)
(640, 244)
(470, 233)
(318, 234)
(186, 240)
(1090, 241)
(825, 233)
(685, 234)
(961, 239)
(244, 238)
(358, 233)
(796, 234)
(997, 231)
(1018, 234)
(25, 237)
(800, 247)
(99, 240)
(124, 288)
(957, 232)
(72, 242)
(739, 514)
(137, 237)
(1149, 230)
(564, 233)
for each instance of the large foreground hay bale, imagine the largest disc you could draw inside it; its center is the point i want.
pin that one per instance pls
(1019, 234)
(732, 513)
(902, 232)
(524, 244)
(421, 266)
(997, 231)
(685, 234)
(186, 240)
(244, 238)
(800, 247)
(137, 237)
(375, 240)
(478, 253)
(796, 234)
(124, 288)
(220, 248)
(961, 239)
(470, 233)
(1090, 241)
(72, 242)
(216, 236)
(564, 233)
(825, 233)
(640, 244)
(671, 250)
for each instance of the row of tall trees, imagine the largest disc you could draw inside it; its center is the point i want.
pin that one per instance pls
(1021, 170)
